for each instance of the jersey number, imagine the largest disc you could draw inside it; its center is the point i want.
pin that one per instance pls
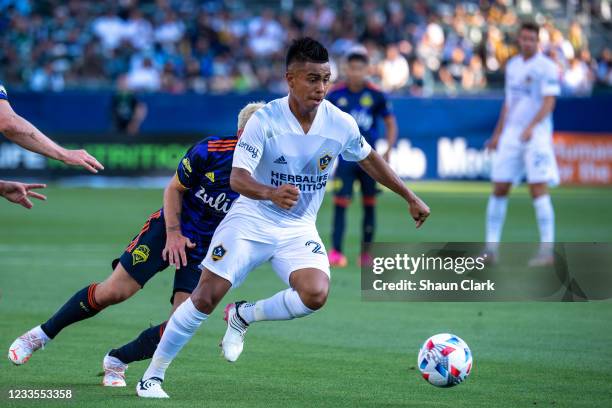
(317, 247)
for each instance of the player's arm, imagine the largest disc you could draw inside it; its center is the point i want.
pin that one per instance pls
(390, 134)
(548, 105)
(20, 131)
(242, 182)
(247, 156)
(18, 193)
(494, 140)
(385, 110)
(379, 170)
(140, 113)
(174, 251)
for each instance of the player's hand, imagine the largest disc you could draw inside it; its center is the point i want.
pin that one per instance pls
(527, 133)
(419, 211)
(285, 196)
(18, 193)
(491, 144)
(81, 158)
(174, 252)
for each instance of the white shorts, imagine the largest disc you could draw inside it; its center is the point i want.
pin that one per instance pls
(512, 161)
(240, 244)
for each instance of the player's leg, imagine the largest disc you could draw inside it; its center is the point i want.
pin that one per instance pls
(542, 170)
(141, 260)
(116, 362)
(369, 191)
(343, 186)
(229, 259)
(84, 304)
(507, 167)
(301, 263)
(181, 327)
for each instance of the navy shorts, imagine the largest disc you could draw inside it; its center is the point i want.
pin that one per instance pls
(142, 259)
(346, 174)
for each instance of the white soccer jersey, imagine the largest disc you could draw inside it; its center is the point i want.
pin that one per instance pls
(527, 82)
(275, 150)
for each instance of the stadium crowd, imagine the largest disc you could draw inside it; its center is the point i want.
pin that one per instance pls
(417, 47)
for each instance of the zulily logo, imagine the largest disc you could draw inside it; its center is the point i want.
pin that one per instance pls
(220, 203)
(253, 150)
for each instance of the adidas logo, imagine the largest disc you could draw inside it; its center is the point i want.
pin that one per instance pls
(280, 160)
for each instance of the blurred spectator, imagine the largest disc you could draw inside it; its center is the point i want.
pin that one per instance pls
(265, 35)
(144, 77)
(453, 72)
(47, 78)
(217, 46)
(577, 79)
(127, 111)
(474, 78)
(394, 70)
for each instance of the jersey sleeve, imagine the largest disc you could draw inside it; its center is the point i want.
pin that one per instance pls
(192, 165)
(250, 145)
(550, 81)
(356, 148)
(3, 94)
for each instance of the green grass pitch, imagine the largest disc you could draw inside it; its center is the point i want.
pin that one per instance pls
(350, 354)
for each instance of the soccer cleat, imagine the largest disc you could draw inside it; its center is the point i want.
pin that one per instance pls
(337, 259)
(114, 372)
(22, 348)
(151, 388)
(365, 259)
(233, 340)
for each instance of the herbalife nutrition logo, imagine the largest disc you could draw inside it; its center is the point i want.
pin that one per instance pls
(280, 160)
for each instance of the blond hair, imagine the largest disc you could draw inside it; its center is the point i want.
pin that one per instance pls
(247, 111)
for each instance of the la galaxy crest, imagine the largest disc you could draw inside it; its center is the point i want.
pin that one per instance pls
(140, 254)
(218, 252)
(324, 160)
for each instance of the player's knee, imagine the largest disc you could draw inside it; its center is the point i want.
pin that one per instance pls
(315, 296)
(203, 301)
(109, 294)
(501, 190)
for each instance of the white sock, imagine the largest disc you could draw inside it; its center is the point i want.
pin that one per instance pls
(496, 215)
(545, 216)
(285, 305)
(38, 331)
(180, 328)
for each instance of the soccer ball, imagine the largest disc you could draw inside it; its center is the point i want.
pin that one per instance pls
(445, 360)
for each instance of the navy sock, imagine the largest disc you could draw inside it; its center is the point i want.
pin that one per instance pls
(339, 225)
(141, 348)
(79, 307)
(369, 220)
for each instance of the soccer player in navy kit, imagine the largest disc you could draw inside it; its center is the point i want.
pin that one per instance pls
(195, 201)
(364, 102)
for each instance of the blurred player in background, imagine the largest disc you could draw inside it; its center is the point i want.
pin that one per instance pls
(20, 131)
(366, 104)
(280, 168)
(523, 141)
(195, 201)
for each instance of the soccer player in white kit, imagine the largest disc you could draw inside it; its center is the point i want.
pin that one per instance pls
(281, 166)
(523, 140)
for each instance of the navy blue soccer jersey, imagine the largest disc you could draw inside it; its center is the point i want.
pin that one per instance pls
(365, 106)
(205, 171)
(3, 94)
